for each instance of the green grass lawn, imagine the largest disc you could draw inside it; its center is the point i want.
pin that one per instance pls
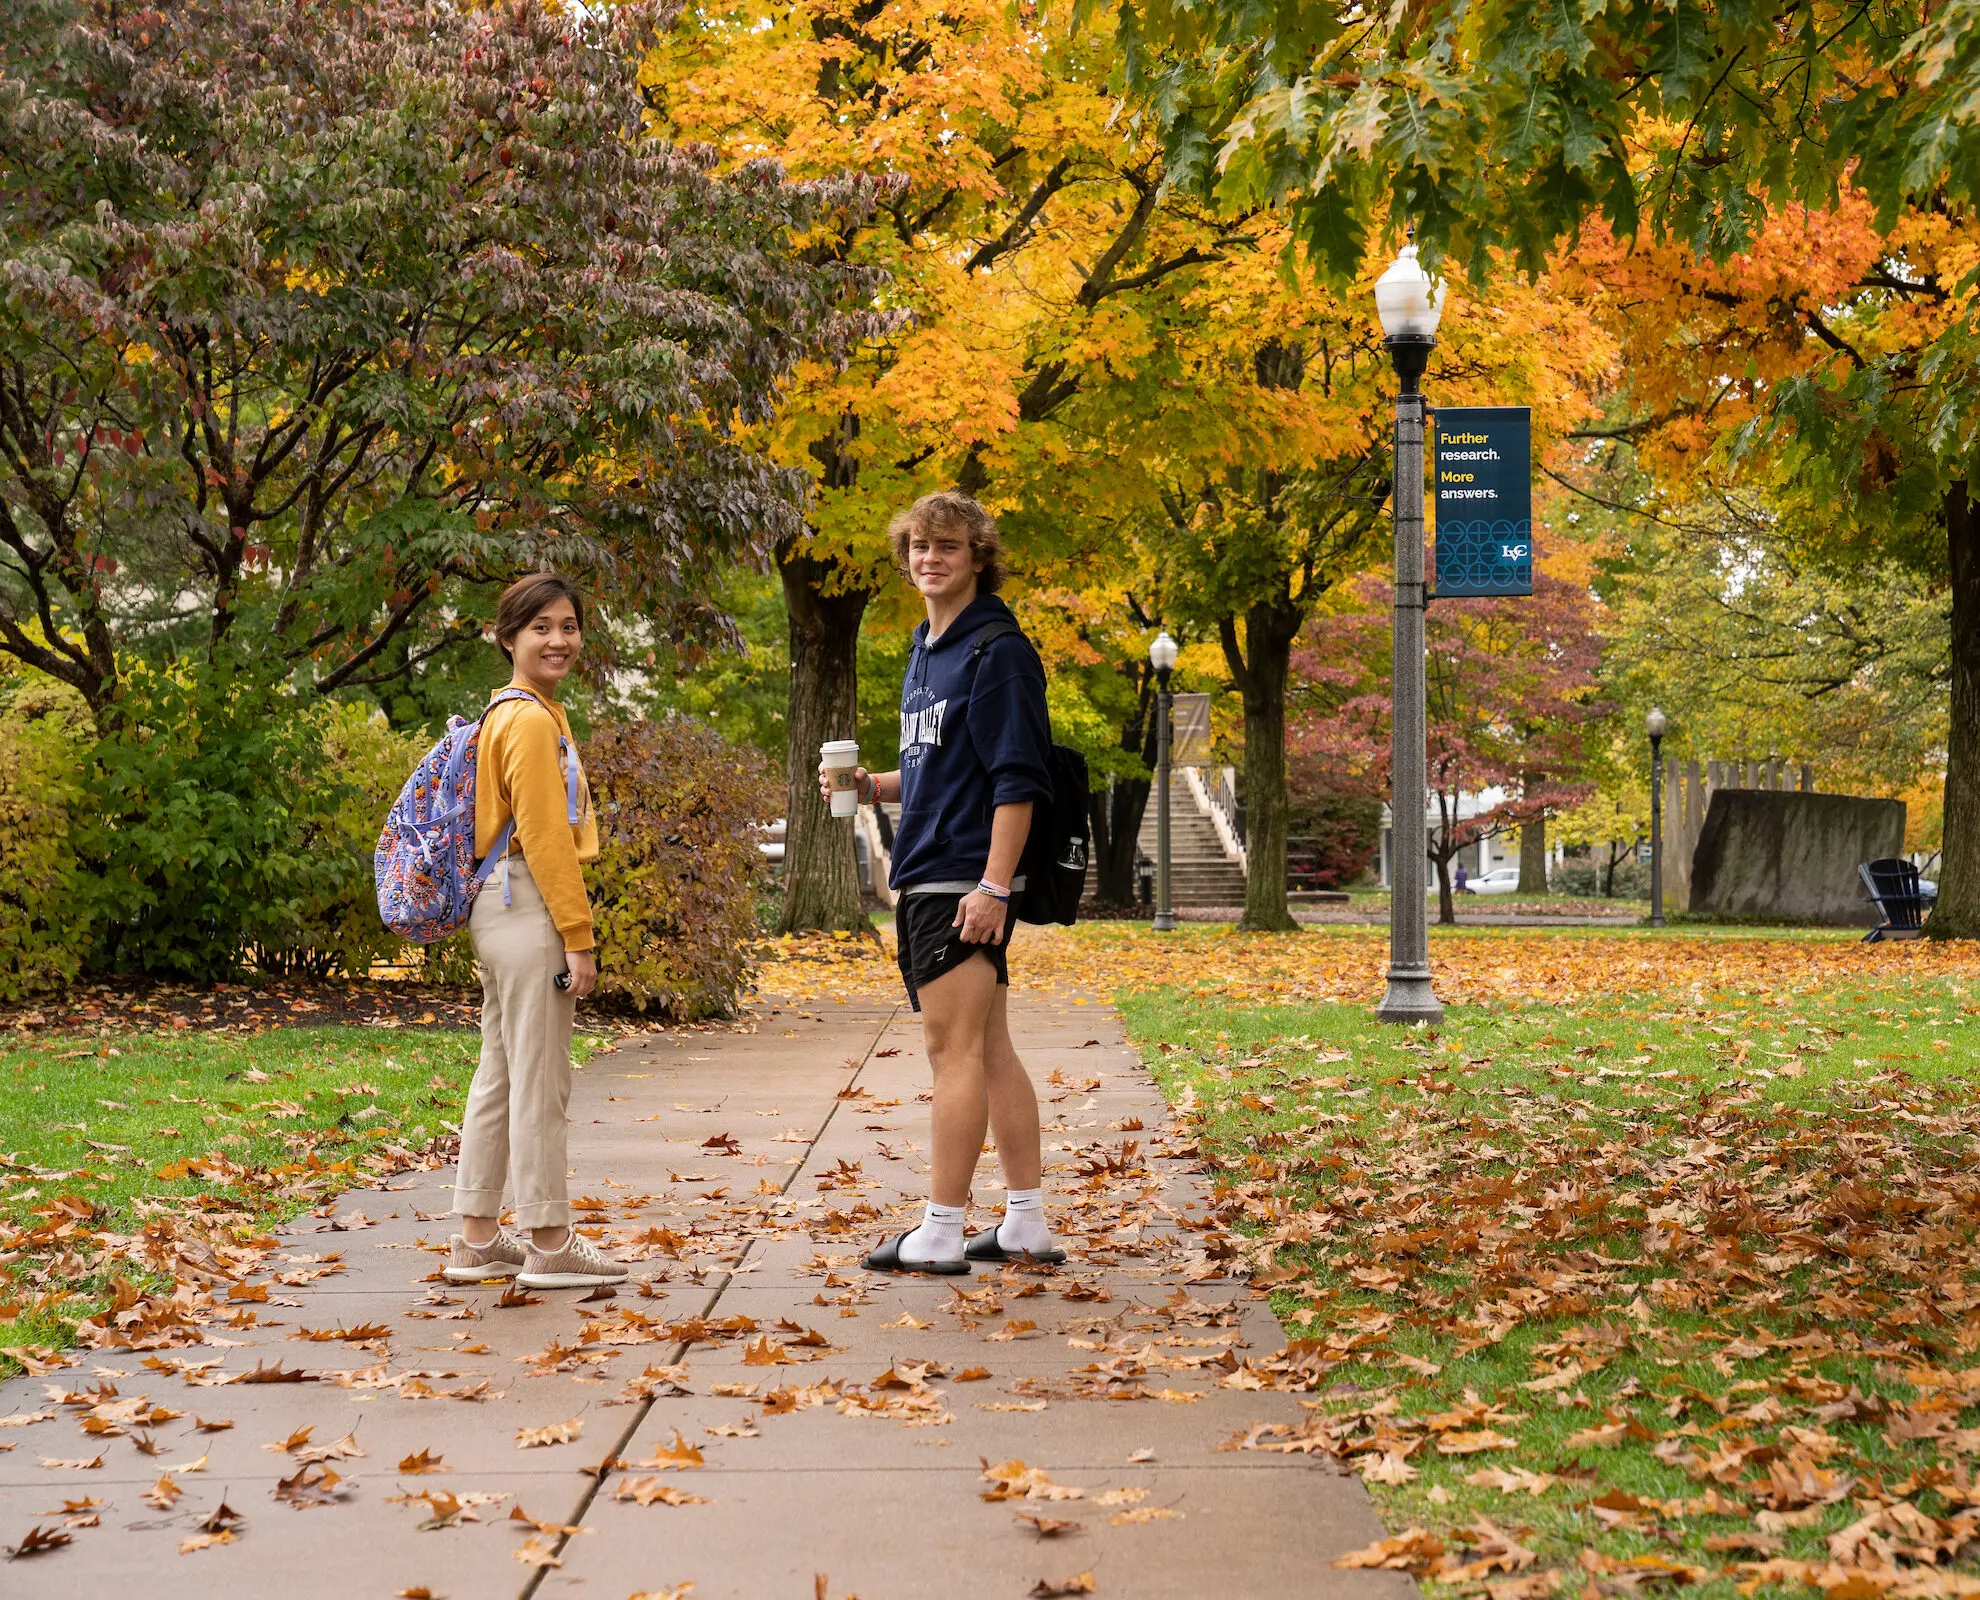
(101, 1135)
(1705, 1276)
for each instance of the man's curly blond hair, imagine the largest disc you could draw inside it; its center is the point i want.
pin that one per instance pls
(948, 511)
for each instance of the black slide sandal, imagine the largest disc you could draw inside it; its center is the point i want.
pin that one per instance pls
(887, 1258)
(985, 1246)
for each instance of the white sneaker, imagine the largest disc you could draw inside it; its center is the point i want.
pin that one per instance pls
(501, 1257)
(577, 1266)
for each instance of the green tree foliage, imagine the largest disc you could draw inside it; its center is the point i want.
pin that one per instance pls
(317, 322)
(1502, 127)
(44, 732)
(741, 686)
(1256, 550)
(227, 823)
(678, 810)
(1731, 611)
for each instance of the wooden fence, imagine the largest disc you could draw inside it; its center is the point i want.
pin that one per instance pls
(1688, 789)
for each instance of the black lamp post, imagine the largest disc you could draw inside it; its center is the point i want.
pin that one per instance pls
(1409, 306)
(1654, 725)
(1162, 656)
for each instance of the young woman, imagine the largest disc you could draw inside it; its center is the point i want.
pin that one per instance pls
(975, 742)
(531, 925)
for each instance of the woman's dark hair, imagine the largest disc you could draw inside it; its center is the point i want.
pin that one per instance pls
(948, 511)
(524, 598)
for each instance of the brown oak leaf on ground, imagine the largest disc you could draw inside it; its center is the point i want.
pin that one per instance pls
(1051, 1588)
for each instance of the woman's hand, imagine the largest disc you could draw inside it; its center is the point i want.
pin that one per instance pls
(981, 918)
(583, 967)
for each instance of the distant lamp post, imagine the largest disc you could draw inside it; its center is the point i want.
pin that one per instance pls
(1409, 305)
(1654, 725)
(1162, 656)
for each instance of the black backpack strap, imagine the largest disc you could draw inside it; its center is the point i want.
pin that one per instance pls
(987, 635)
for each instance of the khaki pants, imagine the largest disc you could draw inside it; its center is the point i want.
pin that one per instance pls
(514, 1127)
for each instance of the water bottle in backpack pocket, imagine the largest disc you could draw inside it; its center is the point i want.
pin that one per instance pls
(425, 865)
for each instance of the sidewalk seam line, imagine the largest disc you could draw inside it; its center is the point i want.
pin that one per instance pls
(576, 1519)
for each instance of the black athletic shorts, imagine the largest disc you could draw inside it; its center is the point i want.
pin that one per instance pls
(932, 944)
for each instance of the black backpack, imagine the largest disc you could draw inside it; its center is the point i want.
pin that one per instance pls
(1054, 861)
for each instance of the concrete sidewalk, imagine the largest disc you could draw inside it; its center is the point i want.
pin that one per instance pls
(837, 1416)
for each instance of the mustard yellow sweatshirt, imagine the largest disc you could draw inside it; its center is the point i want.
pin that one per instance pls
(520, 775)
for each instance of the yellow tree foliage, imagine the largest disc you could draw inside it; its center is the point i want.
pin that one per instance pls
(1171, 427)
(1022, 221)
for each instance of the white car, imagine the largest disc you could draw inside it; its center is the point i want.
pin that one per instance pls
(1500, 880)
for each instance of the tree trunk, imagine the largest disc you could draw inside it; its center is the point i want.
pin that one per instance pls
(821, 872)
(1116, 815)
(1446, 903)
(1533, 857)
(1262, 669)
(1116, 812)
(1957, 915)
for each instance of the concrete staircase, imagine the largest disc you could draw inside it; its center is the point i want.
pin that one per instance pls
(1201, 875)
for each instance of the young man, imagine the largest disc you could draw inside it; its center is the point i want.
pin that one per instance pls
(975, 742)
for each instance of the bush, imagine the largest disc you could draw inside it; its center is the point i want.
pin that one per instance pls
(1584, 876)
(1340, 836)
(213, 827)
(450, 960)
(334, 926)
(44, 732)
(674, 887)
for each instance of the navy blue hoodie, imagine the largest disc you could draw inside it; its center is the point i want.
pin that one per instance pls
(974, 736)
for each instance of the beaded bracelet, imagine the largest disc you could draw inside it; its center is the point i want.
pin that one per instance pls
(996, 891)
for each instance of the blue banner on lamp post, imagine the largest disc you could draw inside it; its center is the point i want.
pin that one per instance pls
(1484, 476)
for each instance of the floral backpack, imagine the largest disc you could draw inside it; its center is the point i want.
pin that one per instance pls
(424, 865)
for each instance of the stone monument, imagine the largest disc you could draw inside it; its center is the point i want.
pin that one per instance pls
(1790, 854)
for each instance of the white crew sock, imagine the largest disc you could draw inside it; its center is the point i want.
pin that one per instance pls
(1023, 1227)
(940, 1236)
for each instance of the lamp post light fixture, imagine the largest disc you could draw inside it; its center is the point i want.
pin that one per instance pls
(1162, 656)
(1409, 305)
(1654, 725)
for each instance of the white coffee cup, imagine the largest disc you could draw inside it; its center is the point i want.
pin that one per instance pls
(840, 760)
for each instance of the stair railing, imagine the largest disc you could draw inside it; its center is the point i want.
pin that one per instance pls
(881, 854)
(1219, 804)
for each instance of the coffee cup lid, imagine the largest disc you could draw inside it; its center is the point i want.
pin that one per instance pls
(839, 747)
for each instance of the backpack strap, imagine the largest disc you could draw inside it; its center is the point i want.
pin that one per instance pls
(563, 749)
(452, 774)
(499, 851)
(987, 635)
(993, 630)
